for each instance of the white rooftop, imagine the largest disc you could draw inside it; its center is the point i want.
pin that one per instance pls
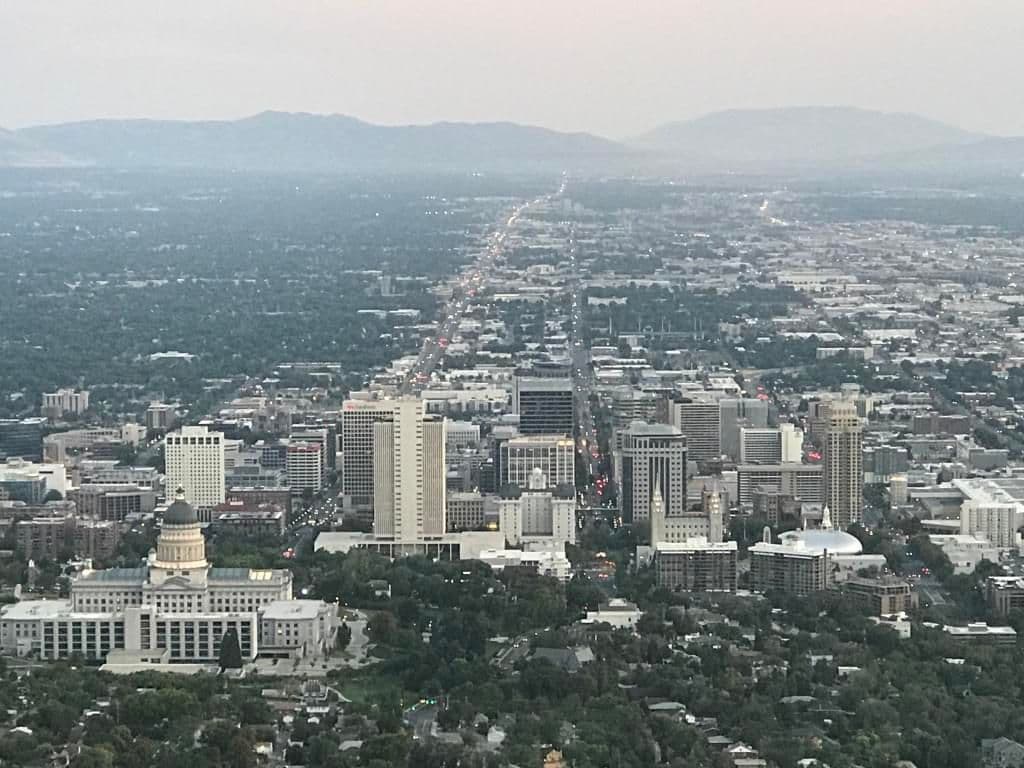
(518, 556)
(27, 610)
(979, 628)
(283, 610)
(695, 544)
(763, 548)
(996, 491)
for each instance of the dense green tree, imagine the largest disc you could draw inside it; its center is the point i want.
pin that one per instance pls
(230, 651)
(344, 636)
(94, 757)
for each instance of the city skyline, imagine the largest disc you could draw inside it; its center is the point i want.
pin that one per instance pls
(560, 384)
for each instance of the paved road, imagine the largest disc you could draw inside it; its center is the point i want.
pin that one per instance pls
(359, 645)
(932, 590)
(464, 290)
(584, 383)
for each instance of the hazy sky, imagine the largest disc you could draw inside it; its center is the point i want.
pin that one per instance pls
(616, 67)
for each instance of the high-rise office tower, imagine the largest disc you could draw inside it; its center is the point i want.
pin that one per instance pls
(699, 421)
(771, 445)
(545, 406)
(553, 455)
(817, 421)
(499, 436)
(408, 474)
(629, 404)
(881, 462)
(194, 458)
(737, 413)
(324, 436)
(22, 438)
(160, 417)
(304, 462)
(652, 469)
(799, 481)
(357, 420)
(844, 471)
(792, 443)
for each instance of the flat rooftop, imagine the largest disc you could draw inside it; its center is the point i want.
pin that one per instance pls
(284, 610)
(695, 545)
(30, 610)
(979, 629)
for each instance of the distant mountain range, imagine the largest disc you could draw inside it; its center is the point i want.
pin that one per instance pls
(278, 141)
(797, 137)
(801, 140)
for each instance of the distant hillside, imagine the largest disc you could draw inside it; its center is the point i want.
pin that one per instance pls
(276, 141)
(796, 138)
(985, 157)
(17, 151)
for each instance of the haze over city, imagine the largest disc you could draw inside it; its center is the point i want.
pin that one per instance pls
(549, 384)
(615, 69)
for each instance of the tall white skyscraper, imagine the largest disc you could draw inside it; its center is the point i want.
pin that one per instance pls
(408, 474)
(194, 458)
(844, 470)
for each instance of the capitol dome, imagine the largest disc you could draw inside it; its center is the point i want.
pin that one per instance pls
(180, 544)
(180, 512)
(826, 537)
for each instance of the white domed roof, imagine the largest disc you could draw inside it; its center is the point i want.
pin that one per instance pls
(836, 542)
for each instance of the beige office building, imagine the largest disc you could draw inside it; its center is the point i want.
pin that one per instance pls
(844, 471)
(408, 474)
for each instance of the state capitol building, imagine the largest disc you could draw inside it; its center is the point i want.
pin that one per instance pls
(176, 608)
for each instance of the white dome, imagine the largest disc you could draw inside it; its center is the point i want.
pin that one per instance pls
(836, 542)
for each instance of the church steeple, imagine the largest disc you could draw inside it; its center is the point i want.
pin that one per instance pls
(826, 519)
(657, 498)
(657, 509)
